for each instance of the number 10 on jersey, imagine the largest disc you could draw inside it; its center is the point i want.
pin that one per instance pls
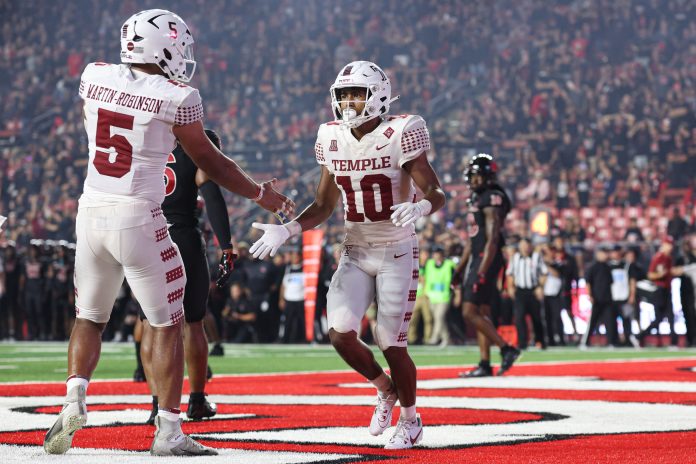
(369, 206)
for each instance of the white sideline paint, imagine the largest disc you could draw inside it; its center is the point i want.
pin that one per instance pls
(36, 454)
(550, 383)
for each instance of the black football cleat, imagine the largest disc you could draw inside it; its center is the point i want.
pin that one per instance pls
(509, 355)
(482, 370)
(217, 350)
(200, 410)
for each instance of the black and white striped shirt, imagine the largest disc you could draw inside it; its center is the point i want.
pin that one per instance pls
(525, 270)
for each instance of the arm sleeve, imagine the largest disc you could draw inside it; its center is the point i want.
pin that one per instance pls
(415, 139)
(217, 212)
(319, 149)
(190, 110)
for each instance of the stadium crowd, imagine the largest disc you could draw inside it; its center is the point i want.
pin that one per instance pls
(585, 104)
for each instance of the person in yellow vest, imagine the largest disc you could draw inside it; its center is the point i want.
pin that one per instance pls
(422, 307)
(438, 276)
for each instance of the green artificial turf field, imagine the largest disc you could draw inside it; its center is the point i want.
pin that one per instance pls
(47, 361)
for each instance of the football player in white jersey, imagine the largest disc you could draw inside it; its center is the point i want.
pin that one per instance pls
(134, 112)
(372, 160)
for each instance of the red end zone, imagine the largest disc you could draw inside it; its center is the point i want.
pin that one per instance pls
(578, 412)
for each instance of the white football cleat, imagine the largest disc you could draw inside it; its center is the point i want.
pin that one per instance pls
(382, 417)
(72, 418)
(407, 434)
(171, 441)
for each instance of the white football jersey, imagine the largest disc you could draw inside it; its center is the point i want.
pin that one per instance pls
(128, 118)
(369, 173)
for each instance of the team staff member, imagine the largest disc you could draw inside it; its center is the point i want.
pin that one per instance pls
(660, 273)
(183, 181)
(598, 280)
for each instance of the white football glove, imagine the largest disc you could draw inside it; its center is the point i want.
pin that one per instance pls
(273, 237)
(408, 213)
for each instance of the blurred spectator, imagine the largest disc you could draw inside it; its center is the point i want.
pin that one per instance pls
(598, 280)
(437, 277)
(261, 280)
(558, 281)
(60, 293)
(32, 284)
(677, 227)
(329, 264)
(292, 300)
(687, 289)
(620, 293)
(240, 317)
(633, 233)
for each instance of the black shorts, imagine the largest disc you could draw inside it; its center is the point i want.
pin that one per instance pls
(192, 250)
(488, 293)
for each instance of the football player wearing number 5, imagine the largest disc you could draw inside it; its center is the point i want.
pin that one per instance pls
(134, 113)
(372, 160)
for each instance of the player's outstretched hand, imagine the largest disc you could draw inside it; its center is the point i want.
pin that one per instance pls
(274, 201)
(273, 237)
(408, 213)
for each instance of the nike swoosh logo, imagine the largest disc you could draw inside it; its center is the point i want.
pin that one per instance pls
(399, 256)
(414, 440)
(379, 148)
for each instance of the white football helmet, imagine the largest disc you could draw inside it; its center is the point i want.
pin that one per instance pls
(378, 97)
(160, 37)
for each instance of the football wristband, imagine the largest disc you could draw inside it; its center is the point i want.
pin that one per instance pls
(260, 195)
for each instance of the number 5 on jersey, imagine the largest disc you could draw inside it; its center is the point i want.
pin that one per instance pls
(105, 141)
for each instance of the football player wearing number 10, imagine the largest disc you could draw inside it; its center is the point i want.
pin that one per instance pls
(372, 160)
(134, 113)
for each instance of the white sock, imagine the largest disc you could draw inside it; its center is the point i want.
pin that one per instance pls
(383, 383)
(75, 381)
(408, 413)
(170, 416)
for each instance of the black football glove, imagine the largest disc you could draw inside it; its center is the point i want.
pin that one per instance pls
(225, 267)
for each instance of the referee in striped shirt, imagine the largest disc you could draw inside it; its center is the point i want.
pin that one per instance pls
(523, 274)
